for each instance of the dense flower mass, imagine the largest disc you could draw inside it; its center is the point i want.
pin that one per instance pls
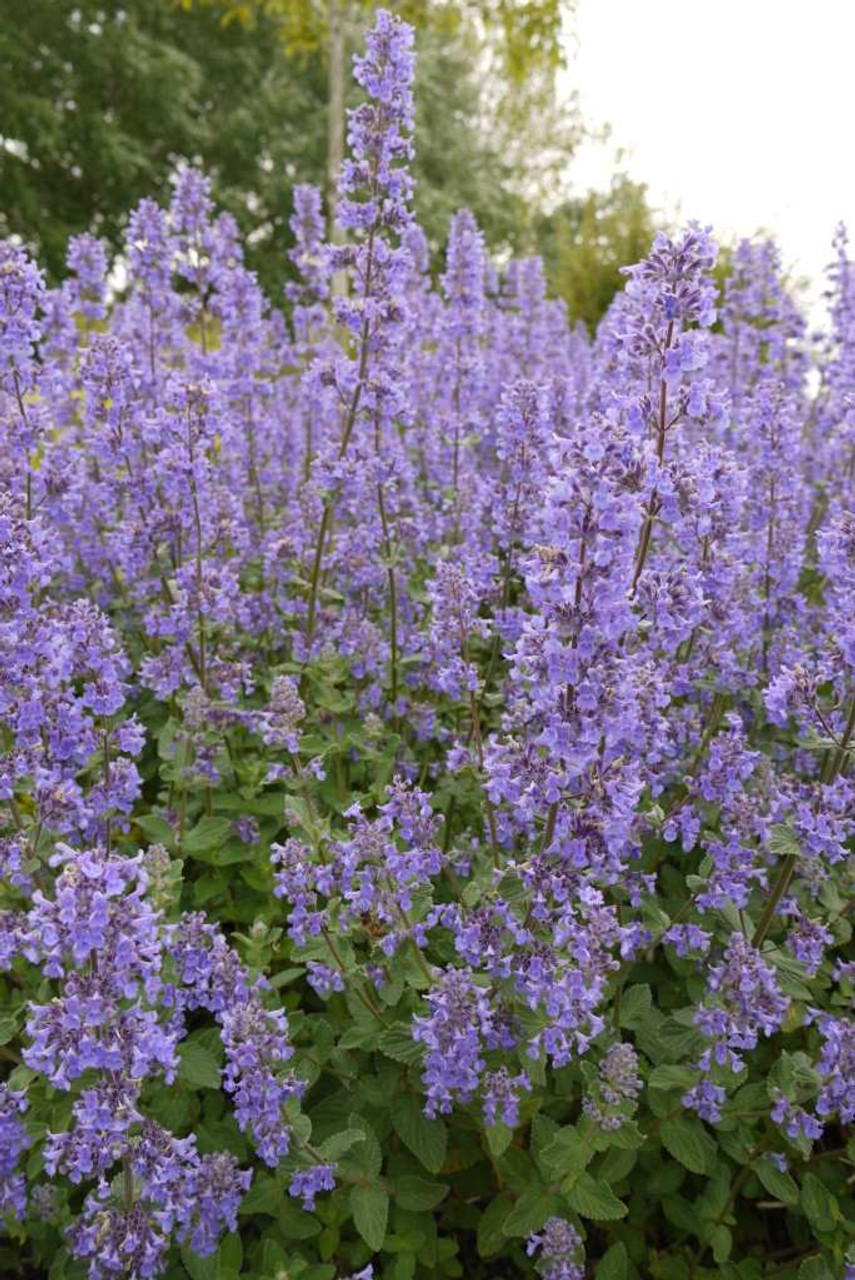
(426, 736)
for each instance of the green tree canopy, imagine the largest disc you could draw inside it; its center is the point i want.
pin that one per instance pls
(585, 242)
(100, 99)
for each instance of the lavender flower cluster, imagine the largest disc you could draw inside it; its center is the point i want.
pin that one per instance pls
(404, 695)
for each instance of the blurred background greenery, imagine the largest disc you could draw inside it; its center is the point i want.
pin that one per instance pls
(99, 99)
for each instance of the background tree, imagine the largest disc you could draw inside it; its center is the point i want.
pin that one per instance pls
(513, 50)
(99, 100)
(585, 242)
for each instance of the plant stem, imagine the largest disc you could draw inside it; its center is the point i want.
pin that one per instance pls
(661, 431)
(350, 422)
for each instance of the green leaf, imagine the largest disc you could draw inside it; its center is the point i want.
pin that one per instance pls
(199, 1268)
(197, 1066)
(170, 1107)
(273, 1258)
(594, 1199)
(672, 1042)
(784, 842)
(426, 1138)
(266, 1195)
(614, 1265)
(568, 1153)
(360, 1037)
(530, 1212)
(780, 1185)
(820, 1206)
(617, 1165)
(370, 1206)
(672, 1076)
(8, 1028)
(685, 1138)
(666, 1178)
(157, 829)
(413, 1192)
(229, 1257)
(721, 1241)
(680, 1213)
(815, 1268)
(403, 1268)
(207, 836)
(336, 1146)
(499, 1137)
(225, 1264)
(627, 1138)
(406, 1241)
(635, 1006)
(285, 977)
(293, 1223)
(491, 1236)
(364, 1158)
(397, 1043)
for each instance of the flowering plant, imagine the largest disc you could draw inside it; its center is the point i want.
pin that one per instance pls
(425, 748)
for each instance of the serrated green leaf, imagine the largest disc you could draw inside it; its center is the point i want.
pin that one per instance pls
(157, 829)
(427, 1138)
(491, 1236)
(593, 1199)
(413, 1192)
(229, 1257)
(397, 1043)
(265, 1195)
(815, 1269)
(403, 1267)
(543, 1132)
(336, 1146)
(680, 1213)
(170, 1107)
(819, 1204)
(366, 1036)
(199, 1268)
(784, 842)
(273, 1257)
(498, 1138)
(225, 1264)
(617, 1165)
(8, 1028)
(370, 1207)
(780, 1185)
(207, 836)
(628, 1137)
(568, 1153)
(672, 1076)
(197, 1066)
(294, 1223)
(530, 1212)
(721, 1242)
(664, 1180)
(614, 1264)
(635, 1006)
(364, 1158)
(673, 1042)
(404, 1242)
(685, 1138)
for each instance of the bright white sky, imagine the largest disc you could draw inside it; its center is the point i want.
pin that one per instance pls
(740, 113)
